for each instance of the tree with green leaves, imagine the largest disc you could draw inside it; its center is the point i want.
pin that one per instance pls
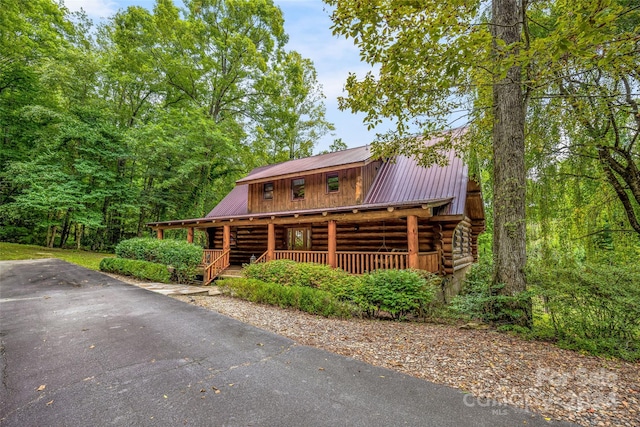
(153, 120)
(459, 61)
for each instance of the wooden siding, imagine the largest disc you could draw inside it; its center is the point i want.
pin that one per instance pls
(369, 173)
(316, 196)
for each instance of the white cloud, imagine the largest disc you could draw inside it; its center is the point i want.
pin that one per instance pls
(93, 8)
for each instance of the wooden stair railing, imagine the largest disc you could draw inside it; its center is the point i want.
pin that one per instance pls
(212, 270)
(209, 255)
(261, 258)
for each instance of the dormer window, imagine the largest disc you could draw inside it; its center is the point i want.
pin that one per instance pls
(267, 191)
(297, 189)
(333, 183)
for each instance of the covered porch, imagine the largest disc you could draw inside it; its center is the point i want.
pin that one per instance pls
(356, 244)
(357, 241)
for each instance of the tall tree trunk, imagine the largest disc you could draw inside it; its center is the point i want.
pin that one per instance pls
(66, 227)
(78, 235)
(509, 244)
(52, 238)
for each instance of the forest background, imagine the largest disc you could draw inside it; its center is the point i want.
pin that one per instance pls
(153, 115)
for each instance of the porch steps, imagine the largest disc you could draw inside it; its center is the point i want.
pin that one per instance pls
(231, 271)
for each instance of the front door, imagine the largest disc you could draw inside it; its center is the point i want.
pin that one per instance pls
(299, 239)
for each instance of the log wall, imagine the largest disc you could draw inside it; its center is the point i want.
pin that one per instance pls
(246, 242)
(452, 244)
(456, 245)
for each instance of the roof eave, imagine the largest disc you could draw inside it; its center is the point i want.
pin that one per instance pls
(249, 180)
(424, 204)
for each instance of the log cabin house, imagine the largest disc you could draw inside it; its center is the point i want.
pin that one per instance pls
(347, 209)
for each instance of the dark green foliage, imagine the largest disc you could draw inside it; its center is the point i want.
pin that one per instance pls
(594, 308)
(139, 269)
(397, 292)
(184, 257)
(290, 273)
(106, 130)
(480, 298)
(303, 298)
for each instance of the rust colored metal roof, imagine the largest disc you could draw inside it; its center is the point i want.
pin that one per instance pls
(405, 180)
(401, 183)
(309, 164)
(234, 203)
(364, 207)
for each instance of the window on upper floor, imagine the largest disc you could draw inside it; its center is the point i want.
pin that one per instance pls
(333, 182)
(267, 191)
(297, 189)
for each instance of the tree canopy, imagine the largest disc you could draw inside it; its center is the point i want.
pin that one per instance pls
(152, 115)
(574, 110)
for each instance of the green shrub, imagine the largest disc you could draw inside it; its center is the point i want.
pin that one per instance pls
(310, 300)
(480, 298)
(397, 292)
(184, 257)
(140, 269)
(319, 276)
(595, 308)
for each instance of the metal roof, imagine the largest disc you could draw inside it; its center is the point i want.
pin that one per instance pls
(398, 183)
(404, 180)
(234, 203)
(308, 164)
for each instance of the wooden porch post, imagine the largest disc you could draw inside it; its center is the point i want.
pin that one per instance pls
(160, 233)
(190, 234)
(271, 241)
(412, 241)
(331, 245)
(226, 237)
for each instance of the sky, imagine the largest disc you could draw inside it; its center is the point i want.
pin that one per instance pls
(307, 23)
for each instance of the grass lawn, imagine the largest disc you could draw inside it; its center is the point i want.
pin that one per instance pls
(14, 251)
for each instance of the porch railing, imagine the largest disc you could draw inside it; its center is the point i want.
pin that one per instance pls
(429, 261)
(319, 257)
(362, 262)
(216, 266)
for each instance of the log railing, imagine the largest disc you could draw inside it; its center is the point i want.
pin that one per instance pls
(209, 255)
(362, 262)
(214, 268)
(319, 257)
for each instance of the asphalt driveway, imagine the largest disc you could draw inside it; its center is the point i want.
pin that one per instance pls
(79, 348)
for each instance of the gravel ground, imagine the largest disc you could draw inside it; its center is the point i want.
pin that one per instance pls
(537, 376)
